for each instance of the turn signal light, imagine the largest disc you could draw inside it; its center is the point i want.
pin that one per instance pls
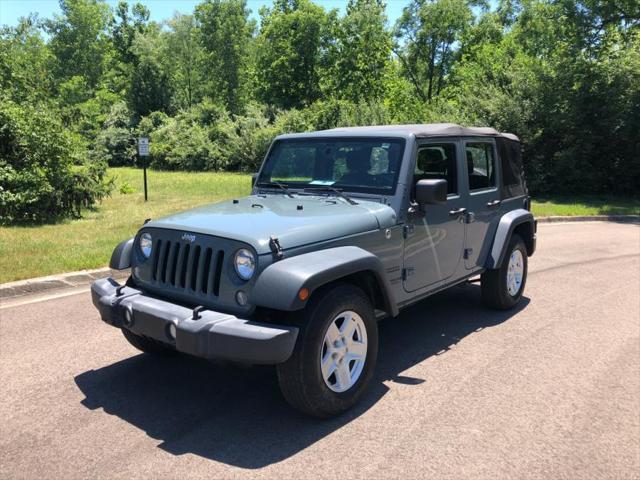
(303, 294)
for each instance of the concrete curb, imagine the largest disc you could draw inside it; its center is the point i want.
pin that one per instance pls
(85, 277)
(49, 283)
(592, 218)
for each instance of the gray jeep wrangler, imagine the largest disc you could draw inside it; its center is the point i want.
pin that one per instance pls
(343, 227)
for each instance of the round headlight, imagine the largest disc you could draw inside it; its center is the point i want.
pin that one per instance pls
(245, 263)
(146, 244)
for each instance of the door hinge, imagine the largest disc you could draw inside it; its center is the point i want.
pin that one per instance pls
(467, 253)
(408, 230)
(407, 272)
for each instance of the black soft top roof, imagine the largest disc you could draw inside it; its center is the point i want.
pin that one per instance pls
(418, 130)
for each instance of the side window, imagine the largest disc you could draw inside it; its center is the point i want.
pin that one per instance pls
(510, 154)
(438, 161)
(480, 165)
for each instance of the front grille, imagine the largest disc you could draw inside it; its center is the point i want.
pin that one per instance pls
(187, 266)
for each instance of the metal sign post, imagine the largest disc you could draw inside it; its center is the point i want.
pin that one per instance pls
(143, 153)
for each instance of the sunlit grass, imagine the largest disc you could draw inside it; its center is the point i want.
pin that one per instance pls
(33, 251)
(27, 252)
(581, 205)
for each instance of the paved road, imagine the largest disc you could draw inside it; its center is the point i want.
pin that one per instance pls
(551, 390)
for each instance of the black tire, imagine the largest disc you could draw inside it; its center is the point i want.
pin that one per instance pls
(148, 345)
(300, 377)
(495, 293)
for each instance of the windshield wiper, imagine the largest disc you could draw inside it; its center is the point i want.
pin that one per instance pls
(338, 192)
(276, 184)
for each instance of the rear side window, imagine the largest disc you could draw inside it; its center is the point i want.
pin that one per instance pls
(510, 153)
(480, 165)
(437, 161)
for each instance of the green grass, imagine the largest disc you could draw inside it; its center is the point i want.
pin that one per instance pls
(33, 251)
(584, 205)
(27, 252)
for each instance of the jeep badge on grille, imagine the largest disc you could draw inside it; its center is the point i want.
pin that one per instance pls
(189, 237)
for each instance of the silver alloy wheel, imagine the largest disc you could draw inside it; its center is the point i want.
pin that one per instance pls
(515, 271)
(344, 351)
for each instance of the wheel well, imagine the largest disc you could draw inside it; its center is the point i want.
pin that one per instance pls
(525, 230)
(368, 283)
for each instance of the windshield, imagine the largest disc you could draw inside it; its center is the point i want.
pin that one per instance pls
(349, 164)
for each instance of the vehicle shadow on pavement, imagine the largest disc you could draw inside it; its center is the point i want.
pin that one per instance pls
(238, 416)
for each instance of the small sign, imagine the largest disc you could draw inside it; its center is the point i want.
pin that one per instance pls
(143, 146)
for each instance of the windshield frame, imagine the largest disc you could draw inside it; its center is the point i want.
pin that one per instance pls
(349, 189)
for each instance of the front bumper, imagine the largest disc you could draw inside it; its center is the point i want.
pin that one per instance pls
(213, 335)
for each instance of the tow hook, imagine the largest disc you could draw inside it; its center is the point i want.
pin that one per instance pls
(196, 312)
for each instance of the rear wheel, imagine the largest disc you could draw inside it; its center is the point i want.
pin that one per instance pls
(335, 354)
(148, 345)
(502, 288)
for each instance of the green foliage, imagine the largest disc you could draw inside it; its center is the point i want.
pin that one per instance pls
(115, 145)
(428, 32)
(24, 61)
(126, 189)
(362, 51)
(42, 177)
(188, 55)
(291, 51)
(79, 40)
(212, 89)
(226, 35)
(150, 86)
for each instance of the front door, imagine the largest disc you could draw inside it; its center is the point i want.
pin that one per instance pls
(434, 235)
(484, 203)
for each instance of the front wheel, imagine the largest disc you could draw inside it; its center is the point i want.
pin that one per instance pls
(503, 288)
(335, 354)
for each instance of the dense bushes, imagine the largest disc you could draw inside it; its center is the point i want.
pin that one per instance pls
(212, 89)
(42, 176)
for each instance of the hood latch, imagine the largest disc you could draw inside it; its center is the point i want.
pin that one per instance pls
(276, 248)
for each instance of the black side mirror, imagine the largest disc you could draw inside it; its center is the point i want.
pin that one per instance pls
(254, 177)
(433, 192)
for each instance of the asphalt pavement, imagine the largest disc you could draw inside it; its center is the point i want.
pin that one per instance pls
(549, 390)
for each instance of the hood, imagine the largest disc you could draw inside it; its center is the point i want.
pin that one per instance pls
(295, 221)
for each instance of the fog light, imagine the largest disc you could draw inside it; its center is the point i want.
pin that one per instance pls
(241, 298)
(171, 331)
(128, 316)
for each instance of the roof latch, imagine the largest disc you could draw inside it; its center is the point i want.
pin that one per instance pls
(276, 248)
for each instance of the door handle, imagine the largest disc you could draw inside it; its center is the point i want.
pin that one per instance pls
(495, 203)
(458, 211)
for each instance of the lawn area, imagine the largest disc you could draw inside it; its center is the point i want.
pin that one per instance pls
(591, 205)
(27, 252)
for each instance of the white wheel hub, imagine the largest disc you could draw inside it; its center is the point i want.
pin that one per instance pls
(344, 351)
(515, 272)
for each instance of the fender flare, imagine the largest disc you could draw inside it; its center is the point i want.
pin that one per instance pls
(508, 223)
(121, 256)
(278, 285)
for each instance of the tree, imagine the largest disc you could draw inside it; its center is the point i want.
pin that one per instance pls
(150, 87)
(186, 56)
(291, 51)
(42, 174)
(361, 53)
(79, 40)
(25, 61)
(125, 26)
(225, 33)
(427, 32)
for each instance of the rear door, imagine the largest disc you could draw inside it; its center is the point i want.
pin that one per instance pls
(484, 204)
(434, 235)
